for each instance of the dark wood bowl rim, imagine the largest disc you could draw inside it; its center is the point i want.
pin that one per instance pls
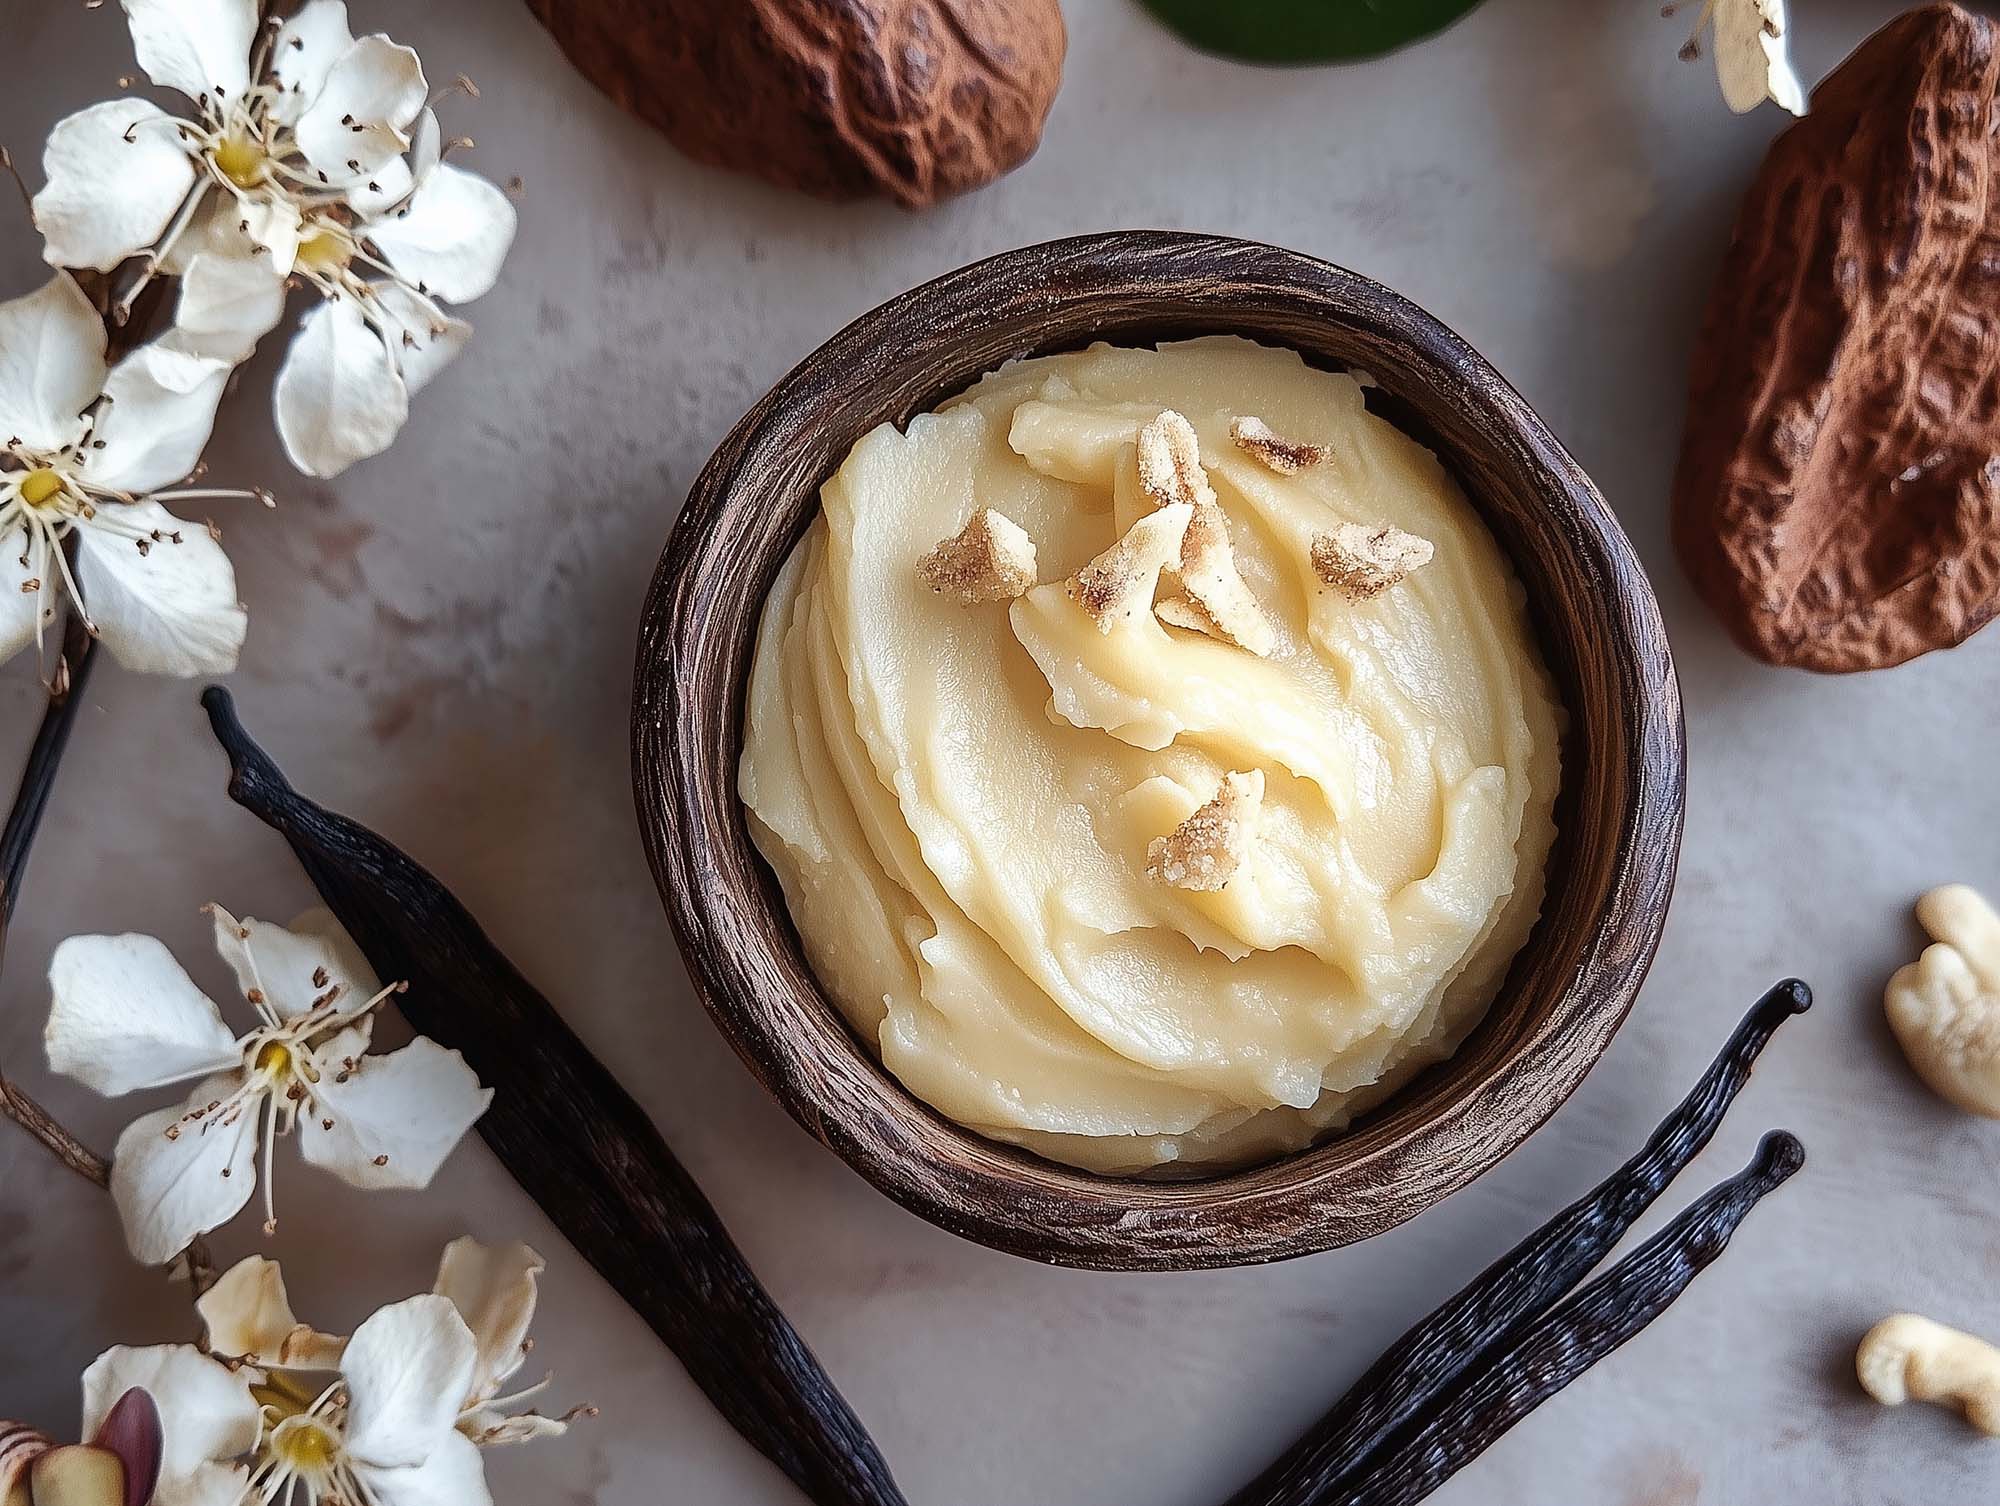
(725, 906)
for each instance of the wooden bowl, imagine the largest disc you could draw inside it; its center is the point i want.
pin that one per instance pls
(1619, 814)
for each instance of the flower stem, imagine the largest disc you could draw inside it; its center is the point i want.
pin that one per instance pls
(64, 1146)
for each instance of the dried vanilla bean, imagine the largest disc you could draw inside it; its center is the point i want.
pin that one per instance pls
(38, 774)
(1522, 1283)
(576, 1140)
(1564, 1342)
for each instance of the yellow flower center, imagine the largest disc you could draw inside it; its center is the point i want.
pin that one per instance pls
(324, 251)
(274, 1057)
(241, 162)
(39, 485)
(305, 1446)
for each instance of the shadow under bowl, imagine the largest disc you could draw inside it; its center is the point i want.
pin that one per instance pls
(1619, 814)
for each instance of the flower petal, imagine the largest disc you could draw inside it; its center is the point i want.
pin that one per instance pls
(126, 1016)
(1750, 58)
(350, 964)
(292, 970)
(51, 364)
(206, 1410)
(200, 47)
(339, 397)
(27, 590)
(451, 237)
(167, 608)
(395, 1117)
(493, 1288)
(227, 304)
(406, 1368)
(429, 339)
(272, 225)
(304, 52)
(452, 1475)
(115, 173)
(360, 116)
(170, 1188)
(426, 146)
(248, 1316)
(161, 412)
(207, 1485)
(387, 186)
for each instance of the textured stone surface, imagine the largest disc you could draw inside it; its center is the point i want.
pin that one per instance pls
(1838, 500)
(441, 643)
(915, 99)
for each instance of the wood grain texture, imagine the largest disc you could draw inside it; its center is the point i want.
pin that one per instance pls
(1619, 814)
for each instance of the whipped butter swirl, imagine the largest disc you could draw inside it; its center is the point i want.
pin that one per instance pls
(960, 796)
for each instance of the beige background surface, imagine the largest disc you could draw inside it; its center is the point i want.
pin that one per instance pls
(440, 645)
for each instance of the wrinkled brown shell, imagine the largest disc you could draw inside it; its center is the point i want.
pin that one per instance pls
(1836, 499)
(913, 99)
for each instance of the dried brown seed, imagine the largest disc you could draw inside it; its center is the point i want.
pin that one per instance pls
(1838, 496)
(913, 99)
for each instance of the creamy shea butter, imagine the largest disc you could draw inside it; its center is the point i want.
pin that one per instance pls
(1154, 753)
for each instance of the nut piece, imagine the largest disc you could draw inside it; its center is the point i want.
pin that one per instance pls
(1908, 1358)
(1285, 456)
(912, 99)
(1362, 562)
(1217, 601)
(1119, 583)
(1213, 598)
(1945, 1006)
(990, 559)
(1204, 851)
(1170, 462)
(1838, 496)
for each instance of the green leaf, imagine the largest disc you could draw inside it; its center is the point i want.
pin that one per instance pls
(1305, 31)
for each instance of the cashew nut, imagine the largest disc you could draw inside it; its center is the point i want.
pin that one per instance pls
(1945, 1006)
(1906, 1358)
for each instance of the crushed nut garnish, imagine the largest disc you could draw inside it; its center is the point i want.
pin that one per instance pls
(1184, 612)
(1208, 575)
(1285, 456)
(1361, 561)
(990, 559)
(1213, 598)
(1170, 462)
(1120, 581)
(1204, 851)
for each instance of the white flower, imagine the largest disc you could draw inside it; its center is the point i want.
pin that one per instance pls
(84, 452)
(311, 157)
(492, 1287)
(126, 1017)
(1750, 59)
(381, 1432)
(208, 1418)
